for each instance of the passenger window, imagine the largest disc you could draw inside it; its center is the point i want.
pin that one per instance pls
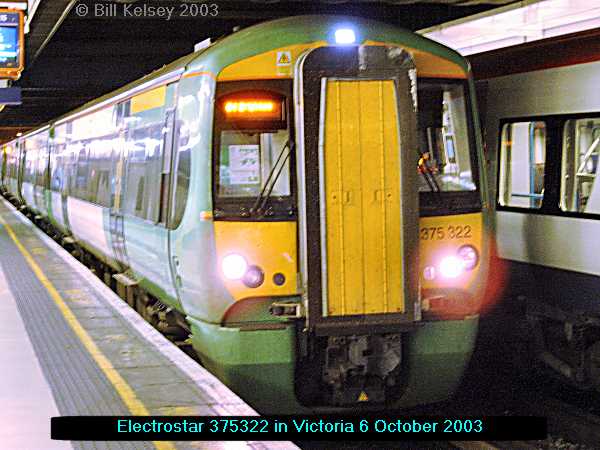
(581, 149)
(59, 158)
(81, 175)
(522, 164)
(91, 139)
(29, 170)
(40, 142)
(145, 123)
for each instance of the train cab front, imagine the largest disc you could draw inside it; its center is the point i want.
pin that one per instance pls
(317, 229)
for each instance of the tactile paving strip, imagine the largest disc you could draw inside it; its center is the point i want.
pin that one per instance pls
(78, 385)
(143, 358)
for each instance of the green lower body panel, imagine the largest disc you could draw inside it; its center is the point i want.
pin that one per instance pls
(257, 365)
(260, 365)
(438, 354)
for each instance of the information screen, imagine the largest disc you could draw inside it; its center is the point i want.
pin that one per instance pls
(10, 42)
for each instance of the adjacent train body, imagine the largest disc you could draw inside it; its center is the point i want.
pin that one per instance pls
(307, 193)
(543, 135)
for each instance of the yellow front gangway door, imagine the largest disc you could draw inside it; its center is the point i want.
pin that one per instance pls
(361, 220)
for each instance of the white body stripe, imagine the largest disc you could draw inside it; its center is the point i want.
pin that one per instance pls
(554, 241)
(87, 225)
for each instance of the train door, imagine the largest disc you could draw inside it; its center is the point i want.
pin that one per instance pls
(358, 214)
(147, 175)
(119, 157)
(358, 195)
(2, 165)
(41, 172)
(21, 169)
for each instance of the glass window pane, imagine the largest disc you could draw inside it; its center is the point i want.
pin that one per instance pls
(82, 149)
(58, 158)
(247, 160)
(581, 149)
(193, 110)
(145, 123)
(522, 164)
(444, 138)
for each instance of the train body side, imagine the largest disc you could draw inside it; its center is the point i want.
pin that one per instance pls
(547, 213)
(544, 238)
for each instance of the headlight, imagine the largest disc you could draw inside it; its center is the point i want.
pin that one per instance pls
(469, 256)
(345, 36)
(451, 267)
(254, 277)
(234, 266)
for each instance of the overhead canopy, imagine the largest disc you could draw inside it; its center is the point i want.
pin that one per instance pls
(73, 56)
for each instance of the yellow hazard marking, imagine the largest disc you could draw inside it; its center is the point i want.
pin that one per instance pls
(261, 66)
(440, 236)
(363, 397)
(125, 391)
(284, 58)
(428, 64)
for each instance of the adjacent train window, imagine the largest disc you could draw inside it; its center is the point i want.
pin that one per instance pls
(580, 192)
(522, 164)
(444, 138)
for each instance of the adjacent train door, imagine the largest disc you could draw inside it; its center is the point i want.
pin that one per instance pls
(358, 210)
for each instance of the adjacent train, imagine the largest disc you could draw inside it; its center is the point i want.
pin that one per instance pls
(542, 126)
(305, 198)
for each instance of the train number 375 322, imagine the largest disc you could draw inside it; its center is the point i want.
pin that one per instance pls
(448, 232)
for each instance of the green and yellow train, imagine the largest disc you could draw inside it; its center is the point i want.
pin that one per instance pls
(306, 196)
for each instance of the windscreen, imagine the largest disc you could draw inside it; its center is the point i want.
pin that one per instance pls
(247, 157)
(253, 163)
(444, 137)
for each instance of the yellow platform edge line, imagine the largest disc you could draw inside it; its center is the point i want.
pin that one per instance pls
(125, 391)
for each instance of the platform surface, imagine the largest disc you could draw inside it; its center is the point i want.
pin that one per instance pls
(70, 346)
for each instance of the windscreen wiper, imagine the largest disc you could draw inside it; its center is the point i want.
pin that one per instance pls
(265, 192)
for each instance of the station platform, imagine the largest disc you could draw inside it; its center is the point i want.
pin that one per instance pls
(70, 346)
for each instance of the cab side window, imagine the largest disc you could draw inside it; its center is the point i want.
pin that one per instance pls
(522, 164)
(579, 191)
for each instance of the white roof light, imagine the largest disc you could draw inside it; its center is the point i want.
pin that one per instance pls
(344, 36)
(513, 25)
(202, 44)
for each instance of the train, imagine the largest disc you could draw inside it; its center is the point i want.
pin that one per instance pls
(304, 200)
(542, 133)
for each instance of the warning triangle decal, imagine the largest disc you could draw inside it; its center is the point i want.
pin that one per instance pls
(284, 58)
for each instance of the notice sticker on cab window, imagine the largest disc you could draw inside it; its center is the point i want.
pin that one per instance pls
(244, 167)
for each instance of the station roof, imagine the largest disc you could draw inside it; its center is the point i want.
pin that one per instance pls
(79, 50)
